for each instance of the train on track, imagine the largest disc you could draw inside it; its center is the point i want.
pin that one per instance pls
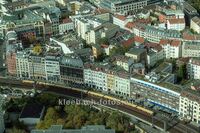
(131, 105)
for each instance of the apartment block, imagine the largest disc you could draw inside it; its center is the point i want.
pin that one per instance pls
(172, 48)
(195, 24)
(193, 68)
(71, 69)
(107, 30)
(189, 105)
(52, 68)
(164, 94)
(123, 6)
(104, 78)
(22, 64)
(191, 49)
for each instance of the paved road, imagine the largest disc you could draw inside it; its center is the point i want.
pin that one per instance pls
(175, 128)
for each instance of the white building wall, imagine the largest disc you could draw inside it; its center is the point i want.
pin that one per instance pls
(195, 26)
(172, 51)
(122, 86)
(189, 109)
(52, 69)
(193, 70)
(65, 27)
(22, 67)
(96, 79)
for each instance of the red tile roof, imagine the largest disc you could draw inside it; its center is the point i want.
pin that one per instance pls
(128, 42)
(67, 20)
(121, 17)
(144, 21)
(163, 42)
(188, 36)
(139, 39)
(177, 21)
(104, 46)
(175, 43)
(101, 11)
(155, 46)
(130, 25)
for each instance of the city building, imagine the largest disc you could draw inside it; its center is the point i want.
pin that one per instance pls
(52, 68)
(66, 25)
(121, 20)
(54, 20)
(123, 62)
(189, 11)
(36, 65)
(189, 104)
(71, 69)
(157, 87)
(137, 54)
(153, 34)
(123, 6)
(105, 77)
(22, 21)
(176, 24)
(85, 129)
(154, 53)
(22, 64)
(193, 68)
(16, 5)
(195, 24)
(122, 84)
(74, 6)
(95, 77)
(106, 30)
(137, 68)
(12, 45)
(85, 24)
(172, 48)
(190, 48)
(31, 114)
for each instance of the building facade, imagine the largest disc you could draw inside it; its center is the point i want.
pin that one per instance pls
(156, 94)
(191, 49)
(195, 24)
(193, 68)
(190, 106)
(172, 49)
(22, 64)
(123, 7)
(52, 68)
(65, 26)
(71, 70)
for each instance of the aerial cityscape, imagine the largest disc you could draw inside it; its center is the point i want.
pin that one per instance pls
(99, 66)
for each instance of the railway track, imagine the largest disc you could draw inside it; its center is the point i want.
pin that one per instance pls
(67, 91)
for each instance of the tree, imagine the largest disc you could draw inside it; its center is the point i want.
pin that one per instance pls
(37, 49)
(118, 51)
(195, 4)
(16, 130)
(182, 74)
(50, 118)
(118, 122)
(47, 99)
(51, 114)
(104, 40)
